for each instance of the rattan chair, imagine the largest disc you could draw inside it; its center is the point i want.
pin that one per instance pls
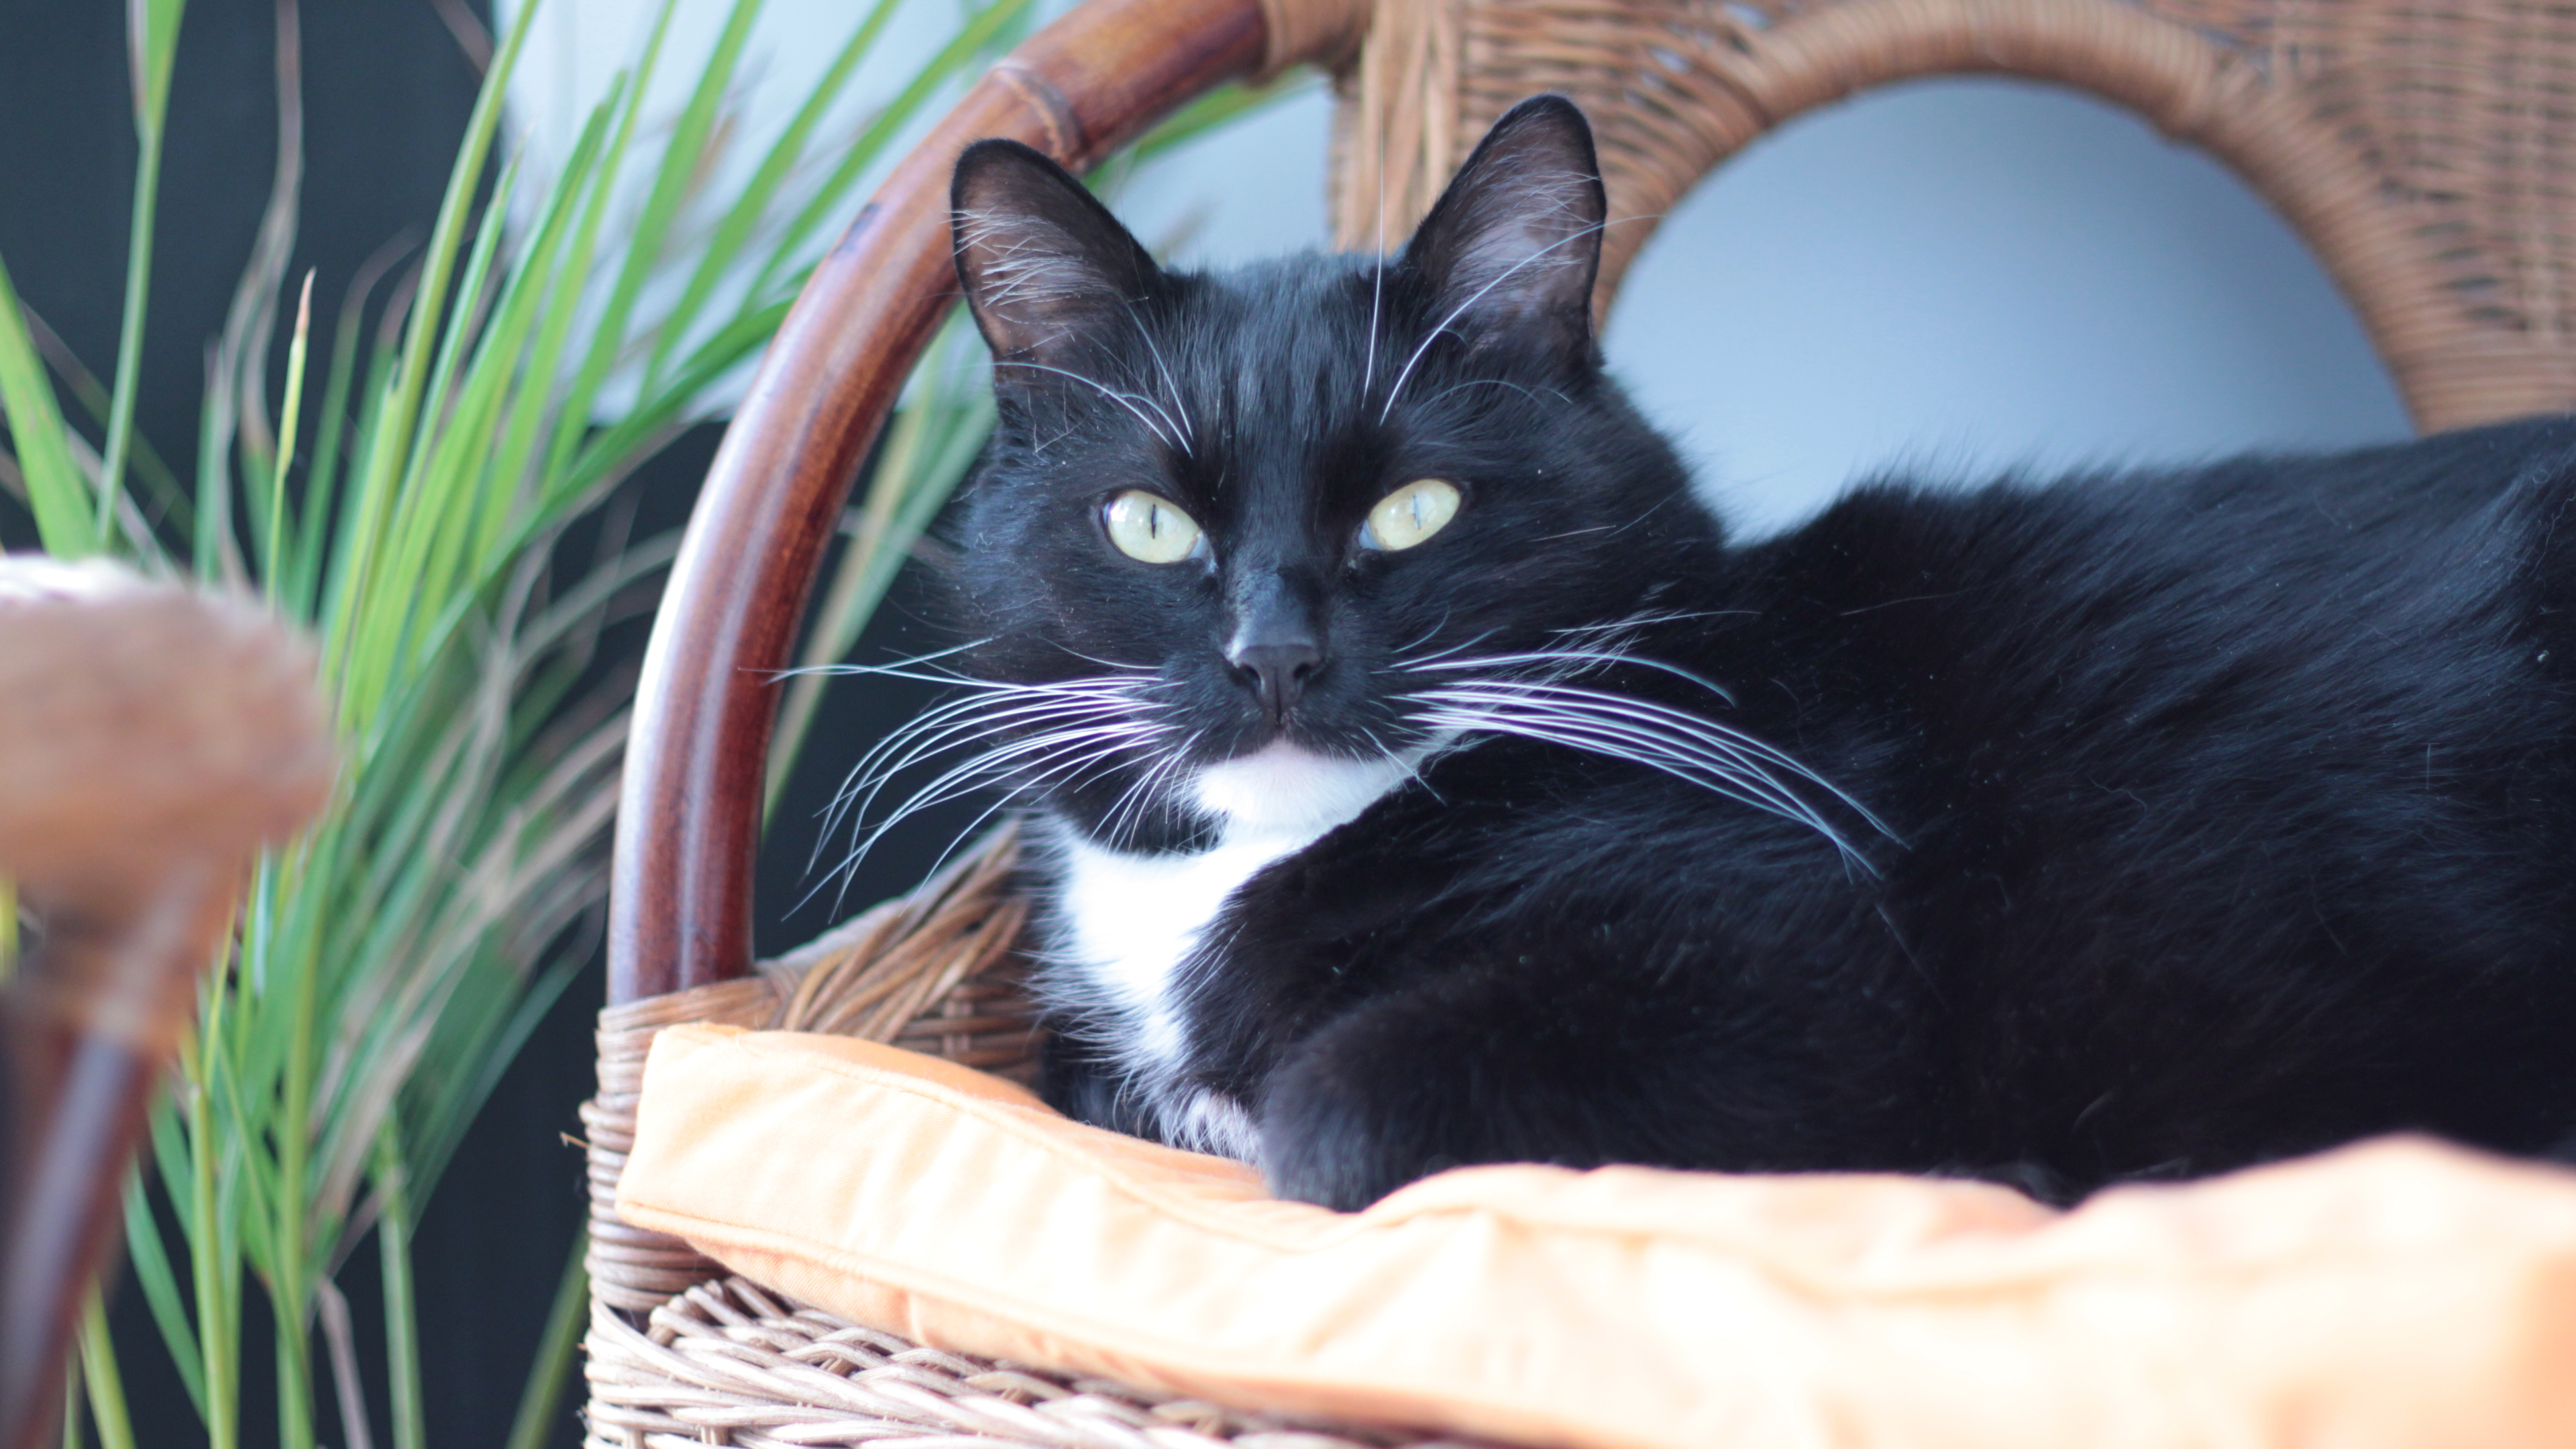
(2427, 153)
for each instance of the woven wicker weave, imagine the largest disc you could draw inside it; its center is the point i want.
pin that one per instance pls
(2428, 153)
(681, 1354)
(730, 1363)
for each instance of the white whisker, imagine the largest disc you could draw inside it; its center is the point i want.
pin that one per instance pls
(1473, 298)
(1526, 693)
(891, 667)
(1133, 402)
(1180, 413)
(1581, 659)
(1054, 754)
(1377, 279)
(946, 729)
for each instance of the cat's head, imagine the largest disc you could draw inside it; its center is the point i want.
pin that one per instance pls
(1252, 514)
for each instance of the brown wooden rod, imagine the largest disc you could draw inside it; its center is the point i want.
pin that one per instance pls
(83, 1063)
(151, 740)
(689, 821)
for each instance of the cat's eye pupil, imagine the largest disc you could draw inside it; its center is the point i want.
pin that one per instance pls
(1410, 514)
(1149, 528)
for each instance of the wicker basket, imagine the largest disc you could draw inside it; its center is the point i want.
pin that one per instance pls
(682, 1354)
(2428, 153)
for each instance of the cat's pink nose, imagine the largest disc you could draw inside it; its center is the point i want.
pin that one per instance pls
(1277, 670)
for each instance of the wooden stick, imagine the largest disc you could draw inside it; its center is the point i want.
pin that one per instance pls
(151, 740)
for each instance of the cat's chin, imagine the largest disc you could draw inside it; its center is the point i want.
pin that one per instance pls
(1288, 789)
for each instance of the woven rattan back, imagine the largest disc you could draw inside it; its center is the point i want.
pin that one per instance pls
(2427, 152)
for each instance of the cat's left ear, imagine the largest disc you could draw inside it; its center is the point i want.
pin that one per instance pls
(1513, 245)
(1042, 261)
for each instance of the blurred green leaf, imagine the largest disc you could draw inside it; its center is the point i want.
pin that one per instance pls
(55, 492)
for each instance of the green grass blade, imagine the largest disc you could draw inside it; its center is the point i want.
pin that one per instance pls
(210, 1257)
(1220, 107)
(272, 560)
(55, 493)
(99, 1372)
(214, 473)
(673, 177)
(322, 478)
(151, 1260)
(927, 450)
(152, 38)
(984, 31)
(734, 233)
(556, 256)
(402, 1347)
(362, 676)
(73, 1399)
(551, 1375)
(167, 495)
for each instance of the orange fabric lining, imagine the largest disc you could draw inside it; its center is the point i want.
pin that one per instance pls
(2400, 1292)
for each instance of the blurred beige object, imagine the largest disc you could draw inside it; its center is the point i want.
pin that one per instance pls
(152, 739)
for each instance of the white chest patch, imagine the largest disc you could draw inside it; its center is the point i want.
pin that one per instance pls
(1130, 923)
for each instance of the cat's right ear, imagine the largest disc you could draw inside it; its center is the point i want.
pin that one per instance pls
(1512, 247)
(1042, 261)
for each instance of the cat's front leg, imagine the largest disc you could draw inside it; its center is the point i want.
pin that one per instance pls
(1076, 1078)
(1573, 1067)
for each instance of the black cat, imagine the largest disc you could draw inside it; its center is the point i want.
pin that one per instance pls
(1426, 781)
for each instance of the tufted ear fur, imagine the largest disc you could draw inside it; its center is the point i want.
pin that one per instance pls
(1040, 258)
(1513, 245)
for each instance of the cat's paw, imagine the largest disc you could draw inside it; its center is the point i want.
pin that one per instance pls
(1378, 1100)
(1324, 1141)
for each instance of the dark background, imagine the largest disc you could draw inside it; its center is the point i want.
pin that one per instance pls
(387, 90)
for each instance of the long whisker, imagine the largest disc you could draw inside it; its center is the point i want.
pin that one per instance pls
(1581, 658)
(948, 728)
(1531, 394)
(1377, 278)
(1127, 813)
(1745, 783)
(1525, 693)
(1573, 732)
(1718, 735)
(1132, 402)
(1478, 295)
(987, 711)
(1016, 703)
(1036, 761)
(1180, 412)
(889, 667)
(1400, 662)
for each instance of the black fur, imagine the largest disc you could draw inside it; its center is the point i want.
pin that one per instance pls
(2212, 814)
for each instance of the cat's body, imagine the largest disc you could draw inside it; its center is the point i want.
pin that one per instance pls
(2139, 825)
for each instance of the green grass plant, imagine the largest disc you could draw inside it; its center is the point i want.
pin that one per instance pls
(387, 966)
(410, 507)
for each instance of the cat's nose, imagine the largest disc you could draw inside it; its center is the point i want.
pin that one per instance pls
(1277, 668)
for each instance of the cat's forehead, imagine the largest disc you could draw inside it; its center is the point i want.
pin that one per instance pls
(1294, 318)
(1282, 357)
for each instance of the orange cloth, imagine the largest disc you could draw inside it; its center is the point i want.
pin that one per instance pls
(2401, 1292)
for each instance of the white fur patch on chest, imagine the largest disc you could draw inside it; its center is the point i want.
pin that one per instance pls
(1128, 924)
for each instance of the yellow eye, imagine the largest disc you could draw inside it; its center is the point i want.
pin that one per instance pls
(1410, 514)
(1150, 529)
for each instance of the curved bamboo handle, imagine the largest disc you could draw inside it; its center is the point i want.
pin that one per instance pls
(151, 740)
(689, 821)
